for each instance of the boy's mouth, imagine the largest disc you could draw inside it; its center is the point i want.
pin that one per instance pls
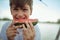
(20, 18)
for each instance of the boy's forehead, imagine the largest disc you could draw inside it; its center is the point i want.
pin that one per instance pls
(24, 6)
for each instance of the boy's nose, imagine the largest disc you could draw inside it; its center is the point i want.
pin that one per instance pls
(19, 14)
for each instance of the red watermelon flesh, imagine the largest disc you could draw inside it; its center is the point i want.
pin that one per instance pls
(22, 21)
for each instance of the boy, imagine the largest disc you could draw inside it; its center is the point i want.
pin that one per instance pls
(20, 9)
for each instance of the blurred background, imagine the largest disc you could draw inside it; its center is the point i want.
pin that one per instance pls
(46, 11)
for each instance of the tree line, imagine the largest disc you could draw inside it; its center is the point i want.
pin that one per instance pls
(7, 19)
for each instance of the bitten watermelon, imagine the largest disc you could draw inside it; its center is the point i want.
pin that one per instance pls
(22, 21)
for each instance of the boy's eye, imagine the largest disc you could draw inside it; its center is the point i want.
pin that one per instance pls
(25, 9)
(15, 9)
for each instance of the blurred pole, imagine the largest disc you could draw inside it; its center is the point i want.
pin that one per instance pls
(43, 3)
(40, 0)
(58, 34)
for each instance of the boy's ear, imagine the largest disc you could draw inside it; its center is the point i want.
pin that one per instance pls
(11, 11)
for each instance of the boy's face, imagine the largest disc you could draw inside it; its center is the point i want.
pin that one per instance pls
(19, 13)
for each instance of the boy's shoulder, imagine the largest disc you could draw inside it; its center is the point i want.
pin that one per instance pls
(3, 30)
(6, 24)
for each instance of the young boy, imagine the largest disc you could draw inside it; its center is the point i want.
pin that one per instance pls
(20, 9)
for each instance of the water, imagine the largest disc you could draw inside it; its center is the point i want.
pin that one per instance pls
(48, 31)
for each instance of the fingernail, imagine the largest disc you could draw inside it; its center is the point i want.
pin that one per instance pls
(21, 26)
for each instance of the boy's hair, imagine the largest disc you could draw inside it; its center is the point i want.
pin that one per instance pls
(21, 3)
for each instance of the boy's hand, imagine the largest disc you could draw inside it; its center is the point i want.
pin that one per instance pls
(29, 32)
(11, 32)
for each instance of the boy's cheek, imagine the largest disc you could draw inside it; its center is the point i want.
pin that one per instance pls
(13, 13)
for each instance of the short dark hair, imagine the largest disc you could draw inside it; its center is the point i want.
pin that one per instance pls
(21, 3)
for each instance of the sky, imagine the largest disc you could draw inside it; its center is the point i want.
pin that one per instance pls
(45, 10)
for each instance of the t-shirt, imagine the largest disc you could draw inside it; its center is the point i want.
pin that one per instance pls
(6, 25)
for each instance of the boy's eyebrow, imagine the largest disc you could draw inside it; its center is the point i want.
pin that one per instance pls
(25, 6)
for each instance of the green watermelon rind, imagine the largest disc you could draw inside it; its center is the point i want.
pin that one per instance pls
(17, 24)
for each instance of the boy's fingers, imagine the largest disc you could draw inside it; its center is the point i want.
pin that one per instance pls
(18, 26)
(13, 34)
(13, 31)
(28, 26)
(23, 26)
(25, 31)
(31, 25)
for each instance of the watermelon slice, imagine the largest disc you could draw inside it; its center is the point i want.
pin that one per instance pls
(22, 21)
